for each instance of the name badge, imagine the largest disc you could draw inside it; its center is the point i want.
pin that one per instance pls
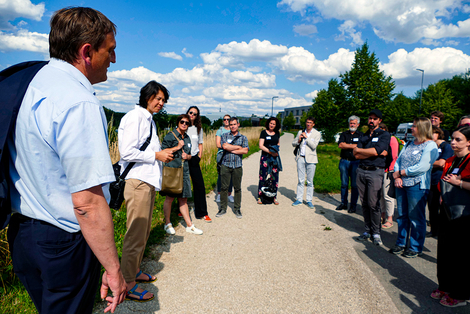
(189, 144)
(194, 136)
(439, 150)
(375, 139)
(268, 137)
(356, 139)
(229, 141)
(415, 152)
(455, 171)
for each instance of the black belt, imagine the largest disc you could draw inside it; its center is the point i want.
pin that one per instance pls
(371, 168)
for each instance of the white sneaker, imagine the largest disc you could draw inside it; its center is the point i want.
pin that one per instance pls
(193, 230)
(230, 199)
(169, 229)
(217, 199)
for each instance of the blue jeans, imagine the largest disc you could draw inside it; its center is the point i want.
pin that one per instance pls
(347, 169)
(411, 208)
(302, 168)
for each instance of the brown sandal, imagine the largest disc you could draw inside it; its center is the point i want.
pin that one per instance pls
(387, 224)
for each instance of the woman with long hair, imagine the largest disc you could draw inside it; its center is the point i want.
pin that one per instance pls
(453, 260)
(179, 139)
(268, 164)
(195, 134)
(412, 174)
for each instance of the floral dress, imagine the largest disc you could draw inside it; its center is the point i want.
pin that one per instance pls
(264, 167)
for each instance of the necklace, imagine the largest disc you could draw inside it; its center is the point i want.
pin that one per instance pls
(461, 159)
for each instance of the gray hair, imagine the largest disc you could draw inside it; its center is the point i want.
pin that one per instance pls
(351, 118)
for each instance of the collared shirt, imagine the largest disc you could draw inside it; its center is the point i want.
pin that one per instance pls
(133, 131)
(195, 138)
(304, 143)
(232, 160)
(349, 138)
(378, 139)
(60, 146)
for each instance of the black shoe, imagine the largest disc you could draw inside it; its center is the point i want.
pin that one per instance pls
(238, 213)
(221, 213)
(352, 210)
(410, 253)
(342, 206)
(397, 250)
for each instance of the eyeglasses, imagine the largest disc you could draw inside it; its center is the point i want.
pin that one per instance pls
(185, 122)
(226, 119)
(193, 113)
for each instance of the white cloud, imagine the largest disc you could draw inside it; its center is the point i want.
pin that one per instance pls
(13, 9)
(312, 95)
(348, 30)
(186, 54)
(405, 21)
(171, 55)
(305, 29)
(25, 41)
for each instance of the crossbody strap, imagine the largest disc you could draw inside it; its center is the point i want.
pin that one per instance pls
(142, 148)
(225, 152)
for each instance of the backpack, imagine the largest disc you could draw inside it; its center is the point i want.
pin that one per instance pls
(14, 82)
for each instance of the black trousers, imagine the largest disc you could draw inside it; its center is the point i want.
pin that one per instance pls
(200, 203)
(433, 206)
(57, 268)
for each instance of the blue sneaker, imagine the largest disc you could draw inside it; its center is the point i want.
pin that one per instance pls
(297, 203)
(310, 205)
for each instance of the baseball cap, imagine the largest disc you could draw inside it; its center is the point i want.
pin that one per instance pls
(377, 112)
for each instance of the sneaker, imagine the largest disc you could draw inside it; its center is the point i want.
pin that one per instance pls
(169, 229)
(450, 302)
(180, 215)
(206, 218)
(438, 294)
(310, 205)
(193, 230)
(411, 254)
(377, 240)
(363, 237)
(297, 203)
(217, 198)
(342, 206)
(238, 214)
(230, 199)
(397, 250)
(221, 213)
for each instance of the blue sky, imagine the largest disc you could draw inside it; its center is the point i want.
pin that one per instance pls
(235, 56)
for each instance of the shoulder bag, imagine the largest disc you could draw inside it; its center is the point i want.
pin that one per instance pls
(172, 178)
(116, 188)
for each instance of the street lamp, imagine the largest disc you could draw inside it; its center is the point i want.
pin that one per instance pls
(421, 98)
(272, 105)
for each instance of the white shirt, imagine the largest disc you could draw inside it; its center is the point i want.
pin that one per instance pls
(195, 138)
(60, 146)
(133, 131)
(304, 143)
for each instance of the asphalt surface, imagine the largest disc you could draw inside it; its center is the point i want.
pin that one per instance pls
(284, 259)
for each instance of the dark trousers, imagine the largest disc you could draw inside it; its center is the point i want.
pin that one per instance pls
(369, 184)
(433, 206)
(453, 260)
(348, 169)
(57, 268)
(234, 175)
(200, 204)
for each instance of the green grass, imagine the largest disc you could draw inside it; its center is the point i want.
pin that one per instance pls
(327, 178)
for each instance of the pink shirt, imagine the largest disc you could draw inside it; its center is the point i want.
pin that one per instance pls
(394, 147)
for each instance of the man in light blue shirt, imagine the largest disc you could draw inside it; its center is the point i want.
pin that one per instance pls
(61, 229)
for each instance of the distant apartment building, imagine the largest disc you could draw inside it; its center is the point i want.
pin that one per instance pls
(297, 112)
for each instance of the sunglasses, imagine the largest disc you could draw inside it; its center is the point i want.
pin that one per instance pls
(226, 119)
(185, 122)
(193, 113)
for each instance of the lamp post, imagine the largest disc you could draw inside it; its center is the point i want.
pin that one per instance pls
(272, 105)
(421, 98)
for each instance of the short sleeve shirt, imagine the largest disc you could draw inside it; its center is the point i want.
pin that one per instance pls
(231, 160)
(378, 139)
(269, 140)
(60, 146)
(196, 139)
(349, 138)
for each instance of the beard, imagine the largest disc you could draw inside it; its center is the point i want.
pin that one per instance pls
(371, 125)
(352, 129)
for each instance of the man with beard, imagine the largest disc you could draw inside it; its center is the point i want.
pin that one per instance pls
(348, 164)
(371, 151)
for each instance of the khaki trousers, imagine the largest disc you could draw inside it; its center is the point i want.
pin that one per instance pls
(140, 199)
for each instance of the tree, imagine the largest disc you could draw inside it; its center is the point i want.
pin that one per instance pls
(366, 86)
(289, 121)
(217, 124)
(459, 85)
(400, 110)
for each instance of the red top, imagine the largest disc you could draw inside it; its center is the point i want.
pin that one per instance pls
(465, 174)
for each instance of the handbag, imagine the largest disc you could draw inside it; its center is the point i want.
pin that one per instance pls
(172, 178)
(296, 149)
(455, 201)
(116, 188)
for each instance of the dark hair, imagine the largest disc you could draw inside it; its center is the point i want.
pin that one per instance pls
(438, 114)
(463, 117)
(234, 119)
(73, 27)
(383, 126)
(278, 124)
(149, 91)
(181, 117)
(197, 121)
(465, 130)
(310, 119)
(438, 131)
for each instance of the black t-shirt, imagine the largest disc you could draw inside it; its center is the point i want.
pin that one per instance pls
(378, 139)
(269, 140)
(348, 138)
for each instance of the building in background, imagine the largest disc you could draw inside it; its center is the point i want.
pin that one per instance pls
(297, 112)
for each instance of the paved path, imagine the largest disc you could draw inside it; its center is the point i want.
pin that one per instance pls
(281, 259)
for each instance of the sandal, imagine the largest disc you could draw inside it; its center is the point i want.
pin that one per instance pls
(275, 202)
(387, 224)
(259, 202)
(144, 280)
(140, 295)
(450, 302)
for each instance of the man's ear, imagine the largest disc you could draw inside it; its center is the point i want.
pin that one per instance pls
(85, 53)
